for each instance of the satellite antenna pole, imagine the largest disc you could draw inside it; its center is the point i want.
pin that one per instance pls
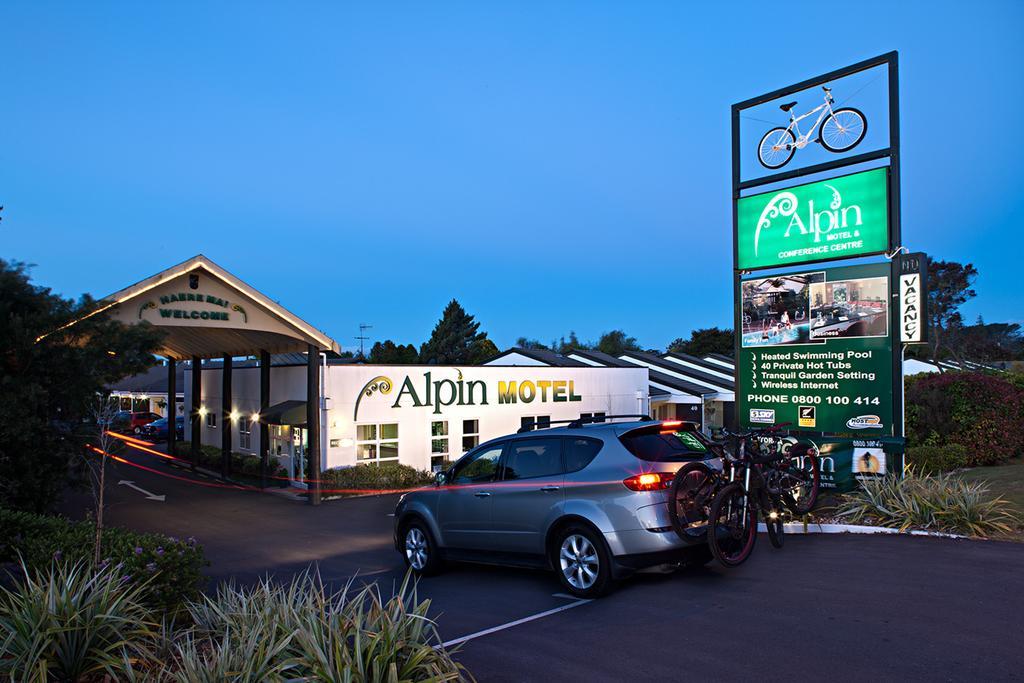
(362, 337)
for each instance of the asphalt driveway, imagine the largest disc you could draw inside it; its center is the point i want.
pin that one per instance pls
(839, 607)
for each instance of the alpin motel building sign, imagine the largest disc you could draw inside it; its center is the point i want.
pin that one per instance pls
(840, 217)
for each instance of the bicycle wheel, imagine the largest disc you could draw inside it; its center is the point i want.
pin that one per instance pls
(732, 526)
(843, 130)
(776, 148)
(800, 482)
(692, 492)
(773, 523)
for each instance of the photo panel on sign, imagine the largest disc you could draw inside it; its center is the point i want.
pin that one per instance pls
(813, 126)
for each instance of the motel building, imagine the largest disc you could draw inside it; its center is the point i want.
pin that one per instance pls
(260, 380)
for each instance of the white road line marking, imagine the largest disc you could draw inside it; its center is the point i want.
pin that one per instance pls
(487, 631)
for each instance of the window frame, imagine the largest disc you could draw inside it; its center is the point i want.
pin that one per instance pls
(245, 433)
(377, 442)
(211, 419)
(475, 435)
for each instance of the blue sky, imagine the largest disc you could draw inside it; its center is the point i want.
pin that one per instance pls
(554, 166)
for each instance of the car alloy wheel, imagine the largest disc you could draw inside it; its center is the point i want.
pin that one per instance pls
(579, 561)
(416, 548)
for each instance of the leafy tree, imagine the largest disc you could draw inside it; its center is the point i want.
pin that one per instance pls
(949, 287)
(524, 343)
(616, 343)
(572, 344)
(704, 342)
(986, 342)
(388, 352)
(455, 339)
(50, 376)
(483, 350)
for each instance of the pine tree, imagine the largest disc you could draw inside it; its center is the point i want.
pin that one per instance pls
(455, 340)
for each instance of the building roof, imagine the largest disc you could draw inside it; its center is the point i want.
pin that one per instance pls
(699, 366)
(654, 376)
(279, 330)
(702, 382)
(545, 356)
(152, 381)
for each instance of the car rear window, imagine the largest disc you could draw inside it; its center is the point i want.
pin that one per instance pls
(579, 451)
(533, 458)
(655, 444)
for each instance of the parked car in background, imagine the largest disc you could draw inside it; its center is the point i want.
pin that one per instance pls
(157, 429)
(126, 421)
(586, 500)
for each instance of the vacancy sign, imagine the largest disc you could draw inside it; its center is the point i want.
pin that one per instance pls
(913, 276)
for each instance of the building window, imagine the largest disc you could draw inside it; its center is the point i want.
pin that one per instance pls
(376, 443)
(535, 422)
(244, 434)
(438, 444)
(470, 434)
(590, 418)
(211, 419)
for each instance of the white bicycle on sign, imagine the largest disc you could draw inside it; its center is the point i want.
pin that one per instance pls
(841, 130)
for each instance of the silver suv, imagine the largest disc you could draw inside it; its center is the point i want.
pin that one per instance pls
(587, 500)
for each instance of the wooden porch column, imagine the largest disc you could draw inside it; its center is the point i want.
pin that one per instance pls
(197, 390)
(172, 406)
(313, 422)
(264, 427)
(225, 417)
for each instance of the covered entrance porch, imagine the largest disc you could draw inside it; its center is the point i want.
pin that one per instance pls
(213, 322)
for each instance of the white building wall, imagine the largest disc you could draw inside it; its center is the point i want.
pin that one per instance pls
(607, 390)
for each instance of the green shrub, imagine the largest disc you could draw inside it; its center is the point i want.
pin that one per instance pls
(943, 502)
(71, 623)
(980, 413)
(66, 622)
(386, 476)
(244, 464)
(937, 459)
(303, 631)
(171, 568)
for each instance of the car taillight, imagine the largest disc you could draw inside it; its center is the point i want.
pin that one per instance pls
(649, 481)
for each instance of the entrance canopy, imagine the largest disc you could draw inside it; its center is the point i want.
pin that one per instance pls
(207, 312)
(292, 413)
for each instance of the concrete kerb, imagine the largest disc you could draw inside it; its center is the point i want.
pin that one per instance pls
(812, 528)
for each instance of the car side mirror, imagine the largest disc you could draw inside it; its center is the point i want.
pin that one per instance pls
(440, 478)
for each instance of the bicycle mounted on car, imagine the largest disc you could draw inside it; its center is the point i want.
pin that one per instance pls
(759, 473)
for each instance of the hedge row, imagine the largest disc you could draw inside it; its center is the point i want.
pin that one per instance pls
(172, 565)
(241, 463)
(385, 476)
(975, 414)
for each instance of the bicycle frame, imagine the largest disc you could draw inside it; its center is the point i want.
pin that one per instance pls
(794, 122)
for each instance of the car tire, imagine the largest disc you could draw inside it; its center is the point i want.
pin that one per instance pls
(581, 559)
(419, 549)
(138, 431)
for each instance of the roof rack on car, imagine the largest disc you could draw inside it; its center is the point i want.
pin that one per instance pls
(580, 421)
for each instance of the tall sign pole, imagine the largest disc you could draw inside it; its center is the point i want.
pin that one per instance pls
(819, 348)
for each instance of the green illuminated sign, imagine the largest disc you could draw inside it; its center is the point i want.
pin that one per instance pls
(816, 351)
(836, 218)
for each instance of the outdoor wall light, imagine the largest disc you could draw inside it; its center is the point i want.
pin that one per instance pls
(234, 415)
(255, 417)
(202, 411)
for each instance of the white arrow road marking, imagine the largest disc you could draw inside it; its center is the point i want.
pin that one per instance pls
(149, 496)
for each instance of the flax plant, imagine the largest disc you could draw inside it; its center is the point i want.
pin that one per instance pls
(943, 502)
(72, 623)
